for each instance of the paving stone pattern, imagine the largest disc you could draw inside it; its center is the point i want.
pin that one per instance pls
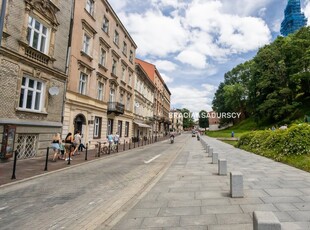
(191, 194)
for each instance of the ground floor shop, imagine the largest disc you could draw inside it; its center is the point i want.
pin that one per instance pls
(29, 138)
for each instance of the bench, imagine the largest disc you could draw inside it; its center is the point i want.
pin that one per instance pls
(236, 184)
(265, 220)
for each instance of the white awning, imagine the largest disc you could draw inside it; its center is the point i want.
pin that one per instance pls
(142, 125)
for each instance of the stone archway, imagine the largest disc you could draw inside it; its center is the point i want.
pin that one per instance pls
(79, 121)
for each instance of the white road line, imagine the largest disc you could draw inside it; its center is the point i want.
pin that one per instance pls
(149, 161)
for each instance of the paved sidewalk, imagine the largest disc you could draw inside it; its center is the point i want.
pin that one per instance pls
(27, 168)
(190, 195)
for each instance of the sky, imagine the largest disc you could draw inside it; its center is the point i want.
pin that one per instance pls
(193, 43)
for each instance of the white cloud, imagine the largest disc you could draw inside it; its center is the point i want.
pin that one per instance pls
(307, 12)
(262, 12)
(166, 78)
(164, 65)
(244, 7)
(193, 58)
(193, 98)
(155, 33)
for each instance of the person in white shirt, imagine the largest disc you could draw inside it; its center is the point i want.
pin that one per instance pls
(116, 138)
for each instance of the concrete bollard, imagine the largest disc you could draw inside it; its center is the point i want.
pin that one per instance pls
(236, 184)
(265, 220)
(210, 153)
(222, 167)
(215, 157)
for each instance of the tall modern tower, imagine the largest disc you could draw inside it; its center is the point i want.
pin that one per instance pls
(294, 19)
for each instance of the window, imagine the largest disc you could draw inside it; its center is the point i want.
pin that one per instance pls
(136, 105)
(31, 94)
(114, 66)
(105, 24)
(112, 95)
(128, 102)
(131, 56)
(129, 78)
(121, 98)
(100, 91)
(86, 44)
(90, 6)
(120, 128)
(103, 55)
(127, 129)
(83, 83)
(123, 73)
(97, 127)
(116, 37)
(37, 35)
(110, 126)
(125, 48)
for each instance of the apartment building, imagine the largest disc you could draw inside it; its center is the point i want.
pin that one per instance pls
(161, 99)
(143, 105)
(100, 91)
(33, 56)
(176, 119)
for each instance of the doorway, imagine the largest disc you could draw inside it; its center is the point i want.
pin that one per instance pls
(79, 121)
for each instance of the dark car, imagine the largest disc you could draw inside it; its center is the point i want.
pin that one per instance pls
(193, 133)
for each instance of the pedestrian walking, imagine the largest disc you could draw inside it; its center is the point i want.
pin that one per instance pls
(76, 141)
(56, 141)
(116, 138)
(69, 147)
(81, 145)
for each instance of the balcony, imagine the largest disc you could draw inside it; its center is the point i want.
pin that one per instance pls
(116, 108)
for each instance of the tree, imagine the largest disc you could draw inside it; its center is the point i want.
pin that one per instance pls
(188, 121)
(203, 120)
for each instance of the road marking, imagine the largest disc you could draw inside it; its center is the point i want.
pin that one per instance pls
(2, 208)
(149, 161)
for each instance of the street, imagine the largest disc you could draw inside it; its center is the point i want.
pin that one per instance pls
(86, 196)
(160, 186)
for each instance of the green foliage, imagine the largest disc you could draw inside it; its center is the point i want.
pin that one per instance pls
(203, 119)
(188, 120)
(273, 85)
(279, 143)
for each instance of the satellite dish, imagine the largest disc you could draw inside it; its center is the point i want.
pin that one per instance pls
(53, 91)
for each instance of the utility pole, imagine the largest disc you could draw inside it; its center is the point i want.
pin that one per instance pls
(2, 15)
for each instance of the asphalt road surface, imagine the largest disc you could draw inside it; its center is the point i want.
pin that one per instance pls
(86, 196)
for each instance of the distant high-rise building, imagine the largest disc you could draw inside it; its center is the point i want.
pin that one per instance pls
(294, 19)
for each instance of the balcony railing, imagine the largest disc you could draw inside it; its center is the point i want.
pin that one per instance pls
(115, 107)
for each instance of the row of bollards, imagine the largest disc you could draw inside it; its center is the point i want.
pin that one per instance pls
(261, 219)
(46, 161)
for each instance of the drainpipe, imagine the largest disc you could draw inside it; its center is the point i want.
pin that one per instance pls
(2, 15)
(68, 60)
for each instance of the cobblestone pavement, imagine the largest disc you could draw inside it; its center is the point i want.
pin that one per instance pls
(191, 195)
(86, 196)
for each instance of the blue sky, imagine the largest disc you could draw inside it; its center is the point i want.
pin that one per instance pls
(193, 43)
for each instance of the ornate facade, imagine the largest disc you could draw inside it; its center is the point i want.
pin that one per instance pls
(143, 104)
(100, 90)
(161, 99)
(33, 57)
